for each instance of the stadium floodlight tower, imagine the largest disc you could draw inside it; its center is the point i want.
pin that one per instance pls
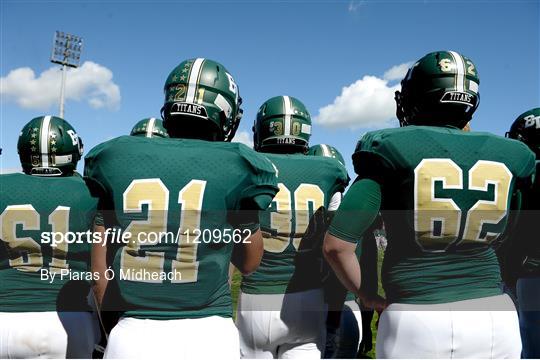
(66, 52)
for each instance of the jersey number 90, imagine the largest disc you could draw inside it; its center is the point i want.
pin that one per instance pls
(282, 220)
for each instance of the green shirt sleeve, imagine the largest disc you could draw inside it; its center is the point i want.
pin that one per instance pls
(93, 173)
(258, 193)
(255, 193)
(357, 211)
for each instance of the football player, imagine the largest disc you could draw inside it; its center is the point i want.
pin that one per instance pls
(281, 307)
(187, 205)
(344, 328)
(326, 151)
(149, 127)
(444, 195)
(44, 310)
(525, 255)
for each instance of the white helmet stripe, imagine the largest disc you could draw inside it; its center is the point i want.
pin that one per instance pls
(193, 79)
(460, 69)
(150, 127)
(287, 105)
(44, 141)
(326, 150)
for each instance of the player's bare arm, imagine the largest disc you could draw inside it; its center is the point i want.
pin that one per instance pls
(354, 217)
(247, 255)
(341, 256)
(99, 265)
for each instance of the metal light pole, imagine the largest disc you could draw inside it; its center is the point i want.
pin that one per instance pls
(66, 52)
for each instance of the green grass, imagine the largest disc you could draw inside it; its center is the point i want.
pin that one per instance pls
(235, 290)
(380, 256)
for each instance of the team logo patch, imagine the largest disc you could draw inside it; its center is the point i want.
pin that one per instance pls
(61, 159)
(532, 121)
(286, 141)
(46, 171)
(181, 108)
(458, 97)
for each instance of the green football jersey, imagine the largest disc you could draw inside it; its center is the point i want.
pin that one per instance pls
(305, 184)
(445, 196)
(34, 212)
(176, 198)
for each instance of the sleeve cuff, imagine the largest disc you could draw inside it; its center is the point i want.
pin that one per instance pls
(343, 235)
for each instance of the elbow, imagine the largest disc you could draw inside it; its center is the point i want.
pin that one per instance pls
(247, 256)
(247, 272)
(248, 269)
(330, 252)
(331, 255)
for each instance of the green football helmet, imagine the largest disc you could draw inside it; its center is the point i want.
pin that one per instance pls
(149, 127)
(327, 151)
(201, 101)
(283, 125)
(49, 146)
(439, 89)
(526, 128)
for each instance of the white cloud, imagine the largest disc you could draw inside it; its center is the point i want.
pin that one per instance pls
(397, 72)
(91, 82)
(354, 5)
(244, 137)
(10, 171)
(366, 103)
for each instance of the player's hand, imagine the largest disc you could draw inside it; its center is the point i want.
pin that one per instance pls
(373, 301)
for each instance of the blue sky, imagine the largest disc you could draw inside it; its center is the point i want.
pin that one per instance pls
(307, 49)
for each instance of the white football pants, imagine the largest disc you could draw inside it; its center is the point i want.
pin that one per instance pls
(485, 328)
(295, 331)
(212, 337)
(48, 334)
